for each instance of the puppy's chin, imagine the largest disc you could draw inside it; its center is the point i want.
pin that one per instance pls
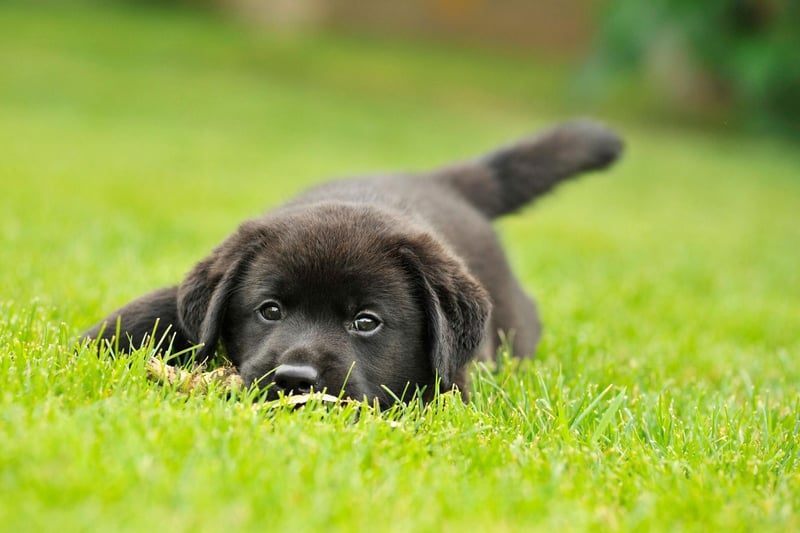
(355, 390)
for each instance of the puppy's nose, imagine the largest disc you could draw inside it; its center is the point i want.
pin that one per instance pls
(298, 379)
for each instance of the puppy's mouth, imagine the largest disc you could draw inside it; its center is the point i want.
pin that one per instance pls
(276, 387)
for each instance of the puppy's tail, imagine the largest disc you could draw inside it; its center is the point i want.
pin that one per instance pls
(511, 177)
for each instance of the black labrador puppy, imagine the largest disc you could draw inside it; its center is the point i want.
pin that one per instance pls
(372, 287)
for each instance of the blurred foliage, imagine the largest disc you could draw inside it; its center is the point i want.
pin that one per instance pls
(744, 54)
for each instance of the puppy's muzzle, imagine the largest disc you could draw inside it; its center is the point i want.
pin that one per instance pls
(296, 379)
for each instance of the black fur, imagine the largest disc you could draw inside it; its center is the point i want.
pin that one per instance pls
(416, 254)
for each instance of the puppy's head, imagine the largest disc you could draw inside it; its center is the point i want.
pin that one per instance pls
(338, 297)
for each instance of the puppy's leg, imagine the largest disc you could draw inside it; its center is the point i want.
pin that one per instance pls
(152, 315)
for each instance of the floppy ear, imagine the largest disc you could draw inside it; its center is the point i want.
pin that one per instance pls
(152, 315)
(202, 298)
(187, 315)
(457, 307)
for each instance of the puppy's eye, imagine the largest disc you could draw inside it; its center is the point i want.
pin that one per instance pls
(270, 311)
(366, 323)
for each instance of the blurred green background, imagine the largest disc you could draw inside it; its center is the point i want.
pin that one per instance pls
(726, 63)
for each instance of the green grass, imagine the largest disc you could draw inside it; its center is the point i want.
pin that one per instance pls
(666, 391)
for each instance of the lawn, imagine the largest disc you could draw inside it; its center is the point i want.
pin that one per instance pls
(665, 393)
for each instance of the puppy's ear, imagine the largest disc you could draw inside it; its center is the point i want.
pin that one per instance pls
(202, 298)
(184, 316)
(457, 306)
(154, 315)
